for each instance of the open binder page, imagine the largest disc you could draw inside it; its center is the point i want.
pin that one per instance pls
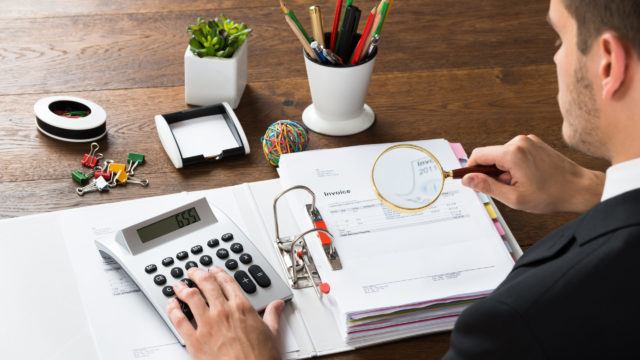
(395, 266)
(294, 340)
(123, 323)
(41, 315)
(310, 319)
(113, 301)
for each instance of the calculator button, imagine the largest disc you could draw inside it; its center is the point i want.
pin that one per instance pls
(159, 279)
(227, 237)
(222, 253)
(150, 269)
(185, 309)
(213, 243)
(196, 250)
(206, 260)
(259, 276)
(188, 282)
(190, 264)
(168, 261)
(245, 258)
(182, 255)
(236, 248)
(245, 282)
(231, 264)
(168, 291)
(176, 272)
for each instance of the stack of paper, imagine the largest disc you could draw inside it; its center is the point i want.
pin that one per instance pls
(403, 274)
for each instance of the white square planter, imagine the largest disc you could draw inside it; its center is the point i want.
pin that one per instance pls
(212, 80)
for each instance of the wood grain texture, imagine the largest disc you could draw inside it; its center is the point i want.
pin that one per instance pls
(140, 50)
(476, 72)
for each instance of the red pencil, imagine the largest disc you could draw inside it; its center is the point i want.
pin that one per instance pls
(355, 58)
(336, 24)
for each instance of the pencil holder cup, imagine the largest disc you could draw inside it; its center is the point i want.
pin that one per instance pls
(214, 80)
(338, 95)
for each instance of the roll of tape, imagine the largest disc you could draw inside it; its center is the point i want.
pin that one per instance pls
(70, 118)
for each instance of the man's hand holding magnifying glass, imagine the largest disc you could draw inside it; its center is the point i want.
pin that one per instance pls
(537, 178)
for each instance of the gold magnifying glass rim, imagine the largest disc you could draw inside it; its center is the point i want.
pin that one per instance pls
(390, 204)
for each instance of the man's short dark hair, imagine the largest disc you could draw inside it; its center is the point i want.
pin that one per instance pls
(597, 16)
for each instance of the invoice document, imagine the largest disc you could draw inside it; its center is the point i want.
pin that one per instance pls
(394, 261)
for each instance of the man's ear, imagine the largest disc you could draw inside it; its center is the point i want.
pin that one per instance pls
(613, 63)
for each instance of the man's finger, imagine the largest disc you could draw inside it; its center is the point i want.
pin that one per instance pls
(179, 320)
(208, 285)
(488, 155)
(485, 184)
(271, 316)
(193, 298)
(229, 286)
(534, 138)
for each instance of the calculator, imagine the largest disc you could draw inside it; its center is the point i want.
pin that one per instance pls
(159, 251)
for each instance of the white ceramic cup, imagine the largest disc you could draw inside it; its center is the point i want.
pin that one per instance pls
(338, 95)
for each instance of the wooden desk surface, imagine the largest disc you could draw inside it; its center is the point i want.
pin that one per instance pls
(476, 72)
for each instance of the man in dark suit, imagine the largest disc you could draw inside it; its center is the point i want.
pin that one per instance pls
(573, 294)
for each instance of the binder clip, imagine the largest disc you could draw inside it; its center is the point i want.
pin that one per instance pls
(295, 257)
(133, 160)
(91, 159)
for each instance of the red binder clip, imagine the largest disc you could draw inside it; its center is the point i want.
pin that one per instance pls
(91, 159)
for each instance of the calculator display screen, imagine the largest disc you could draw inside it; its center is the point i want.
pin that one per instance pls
(168, 225)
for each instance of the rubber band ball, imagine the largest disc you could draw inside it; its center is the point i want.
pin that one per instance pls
(283, 137)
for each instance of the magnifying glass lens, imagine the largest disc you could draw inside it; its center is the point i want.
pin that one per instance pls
(407, 178)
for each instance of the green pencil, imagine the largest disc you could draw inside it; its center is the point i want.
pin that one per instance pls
(293, 17)
(383, 15)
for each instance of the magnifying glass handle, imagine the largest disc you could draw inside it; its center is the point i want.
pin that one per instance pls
(490, 170)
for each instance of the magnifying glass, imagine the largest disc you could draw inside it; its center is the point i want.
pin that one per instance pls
(410, 178)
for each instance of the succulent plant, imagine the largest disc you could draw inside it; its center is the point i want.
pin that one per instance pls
(220, 37)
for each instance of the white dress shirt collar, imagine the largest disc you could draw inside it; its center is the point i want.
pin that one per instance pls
(621, 178)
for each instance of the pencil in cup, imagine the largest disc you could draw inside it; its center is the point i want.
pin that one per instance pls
(289, 13)
(376, 23)
(305, 45)
(336, 25)
(332, 59)
(358, 54)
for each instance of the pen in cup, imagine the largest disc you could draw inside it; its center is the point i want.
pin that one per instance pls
(316, 24)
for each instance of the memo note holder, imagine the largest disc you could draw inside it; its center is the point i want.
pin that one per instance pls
(338, 94)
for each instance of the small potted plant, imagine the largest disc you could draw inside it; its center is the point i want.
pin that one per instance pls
(215, 63)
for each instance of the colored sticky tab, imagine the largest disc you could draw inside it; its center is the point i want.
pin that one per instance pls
(508, 246)
(499, 228)
(458, 150)
(491, 211)
(484, 198)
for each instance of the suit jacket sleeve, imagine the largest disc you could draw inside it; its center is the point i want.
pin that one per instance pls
(491, 329)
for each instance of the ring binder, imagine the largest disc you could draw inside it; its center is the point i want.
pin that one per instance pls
(294, 257)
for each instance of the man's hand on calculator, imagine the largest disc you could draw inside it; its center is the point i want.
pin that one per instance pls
(227, 326)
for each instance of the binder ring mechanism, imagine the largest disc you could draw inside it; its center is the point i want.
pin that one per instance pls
(294, 253)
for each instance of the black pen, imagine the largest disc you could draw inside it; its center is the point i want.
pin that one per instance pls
(344, 48)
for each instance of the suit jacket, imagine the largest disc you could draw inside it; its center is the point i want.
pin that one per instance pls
(573, 295)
